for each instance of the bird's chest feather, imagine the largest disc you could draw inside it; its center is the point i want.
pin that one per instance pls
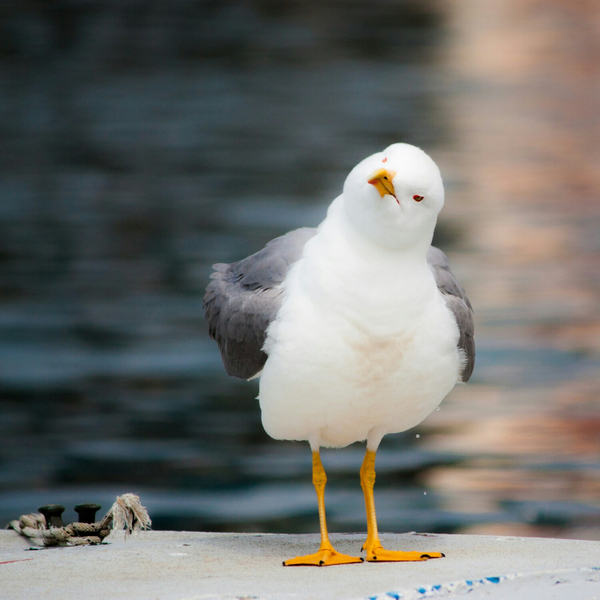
(384, 332)
(410, 349)
(374, 357)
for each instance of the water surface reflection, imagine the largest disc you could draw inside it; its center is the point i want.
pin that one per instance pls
(143, 144)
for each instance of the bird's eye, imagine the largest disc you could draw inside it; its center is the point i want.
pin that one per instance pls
(417, 198)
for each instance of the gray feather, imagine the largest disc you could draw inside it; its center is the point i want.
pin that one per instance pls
(458, 303)
(244, 297)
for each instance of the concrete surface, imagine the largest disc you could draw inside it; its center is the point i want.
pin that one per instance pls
(164, 565)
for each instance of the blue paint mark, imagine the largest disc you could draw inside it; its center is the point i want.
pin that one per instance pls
(451, 587)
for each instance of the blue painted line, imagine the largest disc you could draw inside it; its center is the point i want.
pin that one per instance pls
(453, 588)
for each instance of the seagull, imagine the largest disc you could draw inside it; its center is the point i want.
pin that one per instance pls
(356, 328)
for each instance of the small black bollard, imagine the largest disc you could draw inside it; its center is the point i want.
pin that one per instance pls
(87, 512)
(52, 514)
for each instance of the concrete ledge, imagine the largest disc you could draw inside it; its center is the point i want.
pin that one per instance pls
(164, 565)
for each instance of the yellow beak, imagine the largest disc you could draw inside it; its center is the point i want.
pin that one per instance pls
(382, 180)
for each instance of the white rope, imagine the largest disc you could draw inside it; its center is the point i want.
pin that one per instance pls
(127, 513)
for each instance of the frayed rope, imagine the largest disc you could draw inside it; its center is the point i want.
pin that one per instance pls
(128, 513)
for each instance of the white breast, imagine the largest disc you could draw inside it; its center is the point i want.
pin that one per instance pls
(363, 342)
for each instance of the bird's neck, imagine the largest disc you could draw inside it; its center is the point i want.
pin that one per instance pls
(408, 253)
(346, 271)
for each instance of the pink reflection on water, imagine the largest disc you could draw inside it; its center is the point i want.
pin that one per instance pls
(527, 125)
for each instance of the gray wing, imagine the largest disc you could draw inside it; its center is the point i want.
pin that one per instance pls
(458, 303)
(244, 297)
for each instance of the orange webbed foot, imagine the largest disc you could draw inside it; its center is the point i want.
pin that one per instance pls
(376, 553)
(325, 557)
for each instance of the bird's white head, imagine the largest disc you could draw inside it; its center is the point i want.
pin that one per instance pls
(394, 197)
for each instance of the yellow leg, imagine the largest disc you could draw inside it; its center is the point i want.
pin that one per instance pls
(326, 554)
(375, 552)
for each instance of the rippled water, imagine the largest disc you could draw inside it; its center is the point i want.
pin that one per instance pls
(144, 143)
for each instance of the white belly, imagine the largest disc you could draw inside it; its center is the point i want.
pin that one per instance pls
(338, 388)
(352, 360)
